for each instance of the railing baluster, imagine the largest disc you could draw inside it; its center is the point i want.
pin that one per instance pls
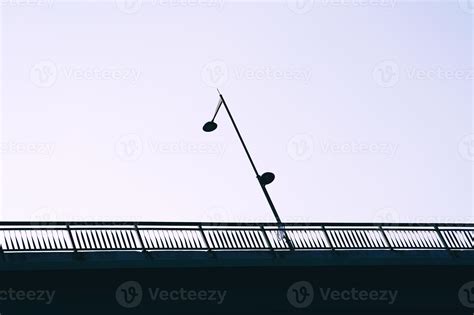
(443, 241)
(204, 238)
(140, 240)
(382, 231)
(326, 235)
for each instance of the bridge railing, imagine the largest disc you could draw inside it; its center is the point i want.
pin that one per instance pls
(145, 236)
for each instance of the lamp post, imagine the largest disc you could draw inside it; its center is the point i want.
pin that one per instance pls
(264, 179)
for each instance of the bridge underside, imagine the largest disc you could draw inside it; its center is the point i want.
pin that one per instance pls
(237, 282)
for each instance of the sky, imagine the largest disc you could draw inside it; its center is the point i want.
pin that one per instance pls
(362, 109)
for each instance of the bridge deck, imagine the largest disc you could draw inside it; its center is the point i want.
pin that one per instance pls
(21, 237)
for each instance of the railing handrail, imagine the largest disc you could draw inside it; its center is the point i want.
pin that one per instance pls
(213, 236)
(179, 223)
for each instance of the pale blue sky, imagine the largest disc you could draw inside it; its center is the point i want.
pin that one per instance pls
(363, 112)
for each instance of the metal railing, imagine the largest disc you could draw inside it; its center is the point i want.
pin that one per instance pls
(156, 236)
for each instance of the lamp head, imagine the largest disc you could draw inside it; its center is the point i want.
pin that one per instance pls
(267, 178)
(209, 126)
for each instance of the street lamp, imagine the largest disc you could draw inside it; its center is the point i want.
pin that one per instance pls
(264, 179)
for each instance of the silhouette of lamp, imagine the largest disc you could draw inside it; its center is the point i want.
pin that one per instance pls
(264, 179)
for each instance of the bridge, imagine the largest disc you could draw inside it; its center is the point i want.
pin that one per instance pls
(235, 268)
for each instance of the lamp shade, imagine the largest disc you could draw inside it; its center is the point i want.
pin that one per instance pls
(209, 126)
(267, 178)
